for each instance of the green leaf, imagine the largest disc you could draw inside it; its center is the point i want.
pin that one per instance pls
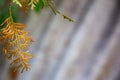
(39, 6)
(2, 2)
(14, 9)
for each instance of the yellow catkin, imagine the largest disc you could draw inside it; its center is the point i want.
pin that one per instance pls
(33, 3)
(15, 44)
(25, 4)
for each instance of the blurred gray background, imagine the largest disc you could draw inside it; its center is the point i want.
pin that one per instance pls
(86, 49)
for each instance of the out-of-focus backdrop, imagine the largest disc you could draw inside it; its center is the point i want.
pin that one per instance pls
(86, 49)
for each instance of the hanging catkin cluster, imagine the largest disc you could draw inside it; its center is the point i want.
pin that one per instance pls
(15, 42)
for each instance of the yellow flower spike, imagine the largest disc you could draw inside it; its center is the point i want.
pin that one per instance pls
(5, 51)
(16, 42)
(17, 2)
(32, 3)
(19, 25)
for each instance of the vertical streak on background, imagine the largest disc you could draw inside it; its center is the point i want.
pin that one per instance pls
(74, 51)
(81, 17)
